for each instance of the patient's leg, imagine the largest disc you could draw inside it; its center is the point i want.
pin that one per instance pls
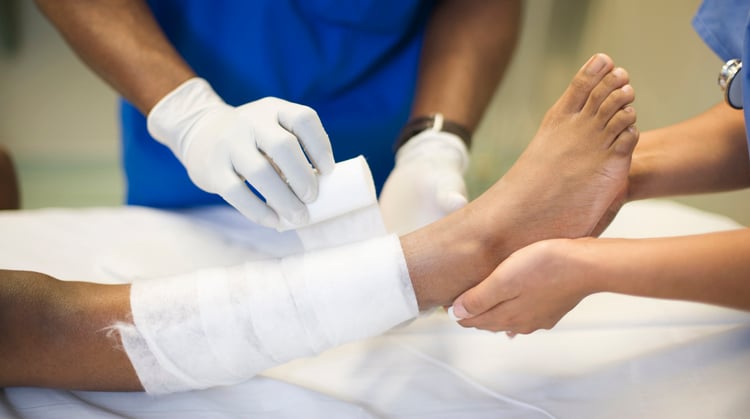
(245, 319)
(561, 186)
(269, 312)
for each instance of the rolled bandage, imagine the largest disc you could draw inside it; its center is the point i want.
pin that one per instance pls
(347, 189)
(222, 326)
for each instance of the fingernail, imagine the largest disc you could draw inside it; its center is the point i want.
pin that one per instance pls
(510, 335)
(596, 64)
(458, 312)
(452, 315)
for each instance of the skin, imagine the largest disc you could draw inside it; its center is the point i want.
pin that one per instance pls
(467, 48)
(459, 69)
(10, 197)
(538, 285)
(102, 35)
(54, 333)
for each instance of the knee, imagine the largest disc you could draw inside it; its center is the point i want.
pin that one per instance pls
(10, 198)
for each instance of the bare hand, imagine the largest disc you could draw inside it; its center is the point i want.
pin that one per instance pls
(532, 289)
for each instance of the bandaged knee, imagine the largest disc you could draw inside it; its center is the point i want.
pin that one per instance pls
(222, 326)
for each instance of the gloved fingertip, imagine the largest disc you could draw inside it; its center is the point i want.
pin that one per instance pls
(326, 166)
(310, 195)
(270, 220)
(452, 202)
(299, 217)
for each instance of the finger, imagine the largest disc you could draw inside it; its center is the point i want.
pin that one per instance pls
(283, 150)
(451, 194)
(497, 319)
(516, 316)
(259, 172)
(248, 204)
(304, 123)
(493, 290)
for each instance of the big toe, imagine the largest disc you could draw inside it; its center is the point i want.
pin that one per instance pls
(584, 82)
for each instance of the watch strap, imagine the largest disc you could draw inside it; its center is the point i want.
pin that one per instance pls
(435, 122)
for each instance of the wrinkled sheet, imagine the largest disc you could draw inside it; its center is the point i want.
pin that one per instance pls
(613, 356)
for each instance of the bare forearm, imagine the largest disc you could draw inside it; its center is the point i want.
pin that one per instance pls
(9, 194)
(710, 268)
(122, 43)
(467, 47)
(55, 334)
(707, 153)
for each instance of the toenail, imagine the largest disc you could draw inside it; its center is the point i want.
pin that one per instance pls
(627, 88)
(596, 64)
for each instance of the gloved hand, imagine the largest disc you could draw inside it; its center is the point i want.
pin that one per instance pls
(426, 183)
(262, 142)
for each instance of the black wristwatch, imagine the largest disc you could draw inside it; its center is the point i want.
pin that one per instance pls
(435, 122)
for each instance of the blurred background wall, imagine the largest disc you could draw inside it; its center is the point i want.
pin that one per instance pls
(59, 120)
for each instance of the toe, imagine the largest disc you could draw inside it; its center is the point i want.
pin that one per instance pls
(625, 143)
(616, 101)
(620, 122)
(587, 78)
(609, 84)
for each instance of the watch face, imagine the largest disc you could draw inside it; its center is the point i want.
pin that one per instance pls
(730, 81)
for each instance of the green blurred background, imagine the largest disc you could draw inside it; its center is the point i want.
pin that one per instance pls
(59, 120)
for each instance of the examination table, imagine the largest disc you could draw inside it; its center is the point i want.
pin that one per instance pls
(613, 356)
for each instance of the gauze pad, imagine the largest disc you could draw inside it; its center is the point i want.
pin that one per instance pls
(222, 326)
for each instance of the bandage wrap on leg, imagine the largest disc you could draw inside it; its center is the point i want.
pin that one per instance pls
(222, 326)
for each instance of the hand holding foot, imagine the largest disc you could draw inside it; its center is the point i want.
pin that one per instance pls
(532, 289)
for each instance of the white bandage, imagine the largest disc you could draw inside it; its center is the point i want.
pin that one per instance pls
(222, 326)
(346, 189)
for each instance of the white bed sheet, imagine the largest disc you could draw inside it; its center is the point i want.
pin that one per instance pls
(614, 356)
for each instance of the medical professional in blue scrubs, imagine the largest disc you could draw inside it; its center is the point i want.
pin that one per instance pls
(220, 98)
(536, 286)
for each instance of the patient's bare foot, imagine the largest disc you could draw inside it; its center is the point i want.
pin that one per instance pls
(563, 183)
(578, 161)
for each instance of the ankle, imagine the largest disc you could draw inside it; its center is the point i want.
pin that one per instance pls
(452, 255)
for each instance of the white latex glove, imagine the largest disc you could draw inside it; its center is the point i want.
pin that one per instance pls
(427, 182)
(262, 142)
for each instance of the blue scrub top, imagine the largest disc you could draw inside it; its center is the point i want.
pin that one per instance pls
(724, 26)
(354, 61)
